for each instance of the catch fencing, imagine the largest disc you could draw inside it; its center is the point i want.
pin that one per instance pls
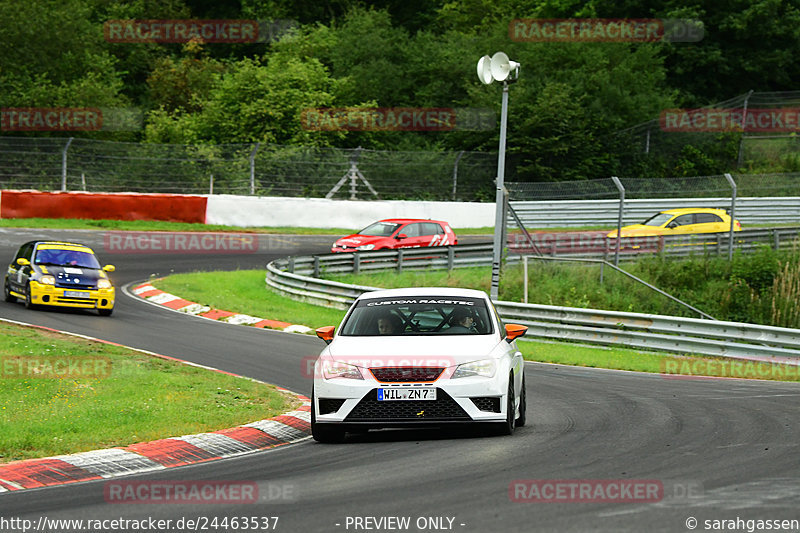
(78, 164)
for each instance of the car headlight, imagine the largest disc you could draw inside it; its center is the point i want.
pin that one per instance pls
(103, 284)
(366, 247)
(47, 280)
(335, 369)
(485, 368)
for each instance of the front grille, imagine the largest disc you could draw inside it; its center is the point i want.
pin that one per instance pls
(406, 374)
(329, 405)
(65, 300)
(487, 403)
(444, 408)
(74, 286)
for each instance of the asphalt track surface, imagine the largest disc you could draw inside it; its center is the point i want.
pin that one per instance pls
(721, 449)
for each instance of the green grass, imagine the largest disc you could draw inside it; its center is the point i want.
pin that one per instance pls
(132, 398)
(244, 292)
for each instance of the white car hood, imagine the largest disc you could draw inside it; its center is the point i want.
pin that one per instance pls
(413, 350)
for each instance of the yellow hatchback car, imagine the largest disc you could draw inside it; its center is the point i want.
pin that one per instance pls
(60, 274)
(682, 221)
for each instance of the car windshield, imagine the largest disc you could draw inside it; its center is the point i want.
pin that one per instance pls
(418, 315)
(66, 258)
(657, 220)
(380, 229)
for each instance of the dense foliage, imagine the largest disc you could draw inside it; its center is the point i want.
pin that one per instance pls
(570, 100)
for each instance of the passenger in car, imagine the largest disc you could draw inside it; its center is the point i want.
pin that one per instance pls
(461, 321)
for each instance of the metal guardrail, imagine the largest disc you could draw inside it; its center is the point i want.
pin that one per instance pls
(634, 330)
(574, 213)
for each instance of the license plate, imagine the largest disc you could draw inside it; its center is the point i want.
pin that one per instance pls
(77, 294)
(406, 394)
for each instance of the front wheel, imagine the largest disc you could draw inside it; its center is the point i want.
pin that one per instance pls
(523, 407)
(507, 427)
(7, 293)
(28, 301)
(105, 312)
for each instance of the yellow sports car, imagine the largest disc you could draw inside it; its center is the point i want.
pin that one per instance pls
(61, 274)
(681, 222)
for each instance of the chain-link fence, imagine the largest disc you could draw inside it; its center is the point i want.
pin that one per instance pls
(274, 170)
(753, 130)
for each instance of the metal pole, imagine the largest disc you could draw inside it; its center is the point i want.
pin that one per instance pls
(525, 278)
(733, 213)
(621, 190)
(499, 197)
(64, 165)
(744, 126)
(455, 173)
(253, 169)
(211, 184)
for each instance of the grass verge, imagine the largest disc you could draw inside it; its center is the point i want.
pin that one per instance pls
(61, 394)
(244, 292)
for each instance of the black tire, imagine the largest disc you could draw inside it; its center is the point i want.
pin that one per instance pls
(507, 427)
(7, 296)
(28, 302)
(523, 406)
(105, 312)
(324, 433)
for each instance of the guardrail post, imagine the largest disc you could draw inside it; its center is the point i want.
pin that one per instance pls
(316, 266)
(290, 266)
(525, 279)
(356, 263)
(776, 239)
(621, 190)
(399, 260)
(733, 202)
(451, 258)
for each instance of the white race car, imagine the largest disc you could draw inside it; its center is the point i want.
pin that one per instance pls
(418, 357)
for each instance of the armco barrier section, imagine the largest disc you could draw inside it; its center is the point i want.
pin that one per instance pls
(635, 330)
(576, 213)
(113, 206)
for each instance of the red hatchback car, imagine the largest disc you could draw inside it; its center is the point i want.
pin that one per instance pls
(398, 233)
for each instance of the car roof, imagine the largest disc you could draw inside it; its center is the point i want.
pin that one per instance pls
(684, 210)
(409, 220)
(59, 244)
(424, 291)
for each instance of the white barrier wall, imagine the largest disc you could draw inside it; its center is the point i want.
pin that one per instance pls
(245, 211)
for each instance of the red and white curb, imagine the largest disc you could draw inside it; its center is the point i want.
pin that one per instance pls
(176, 303)
(280, 430)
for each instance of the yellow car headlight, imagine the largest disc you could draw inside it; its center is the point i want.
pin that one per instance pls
(47, 280)
(103, 284)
